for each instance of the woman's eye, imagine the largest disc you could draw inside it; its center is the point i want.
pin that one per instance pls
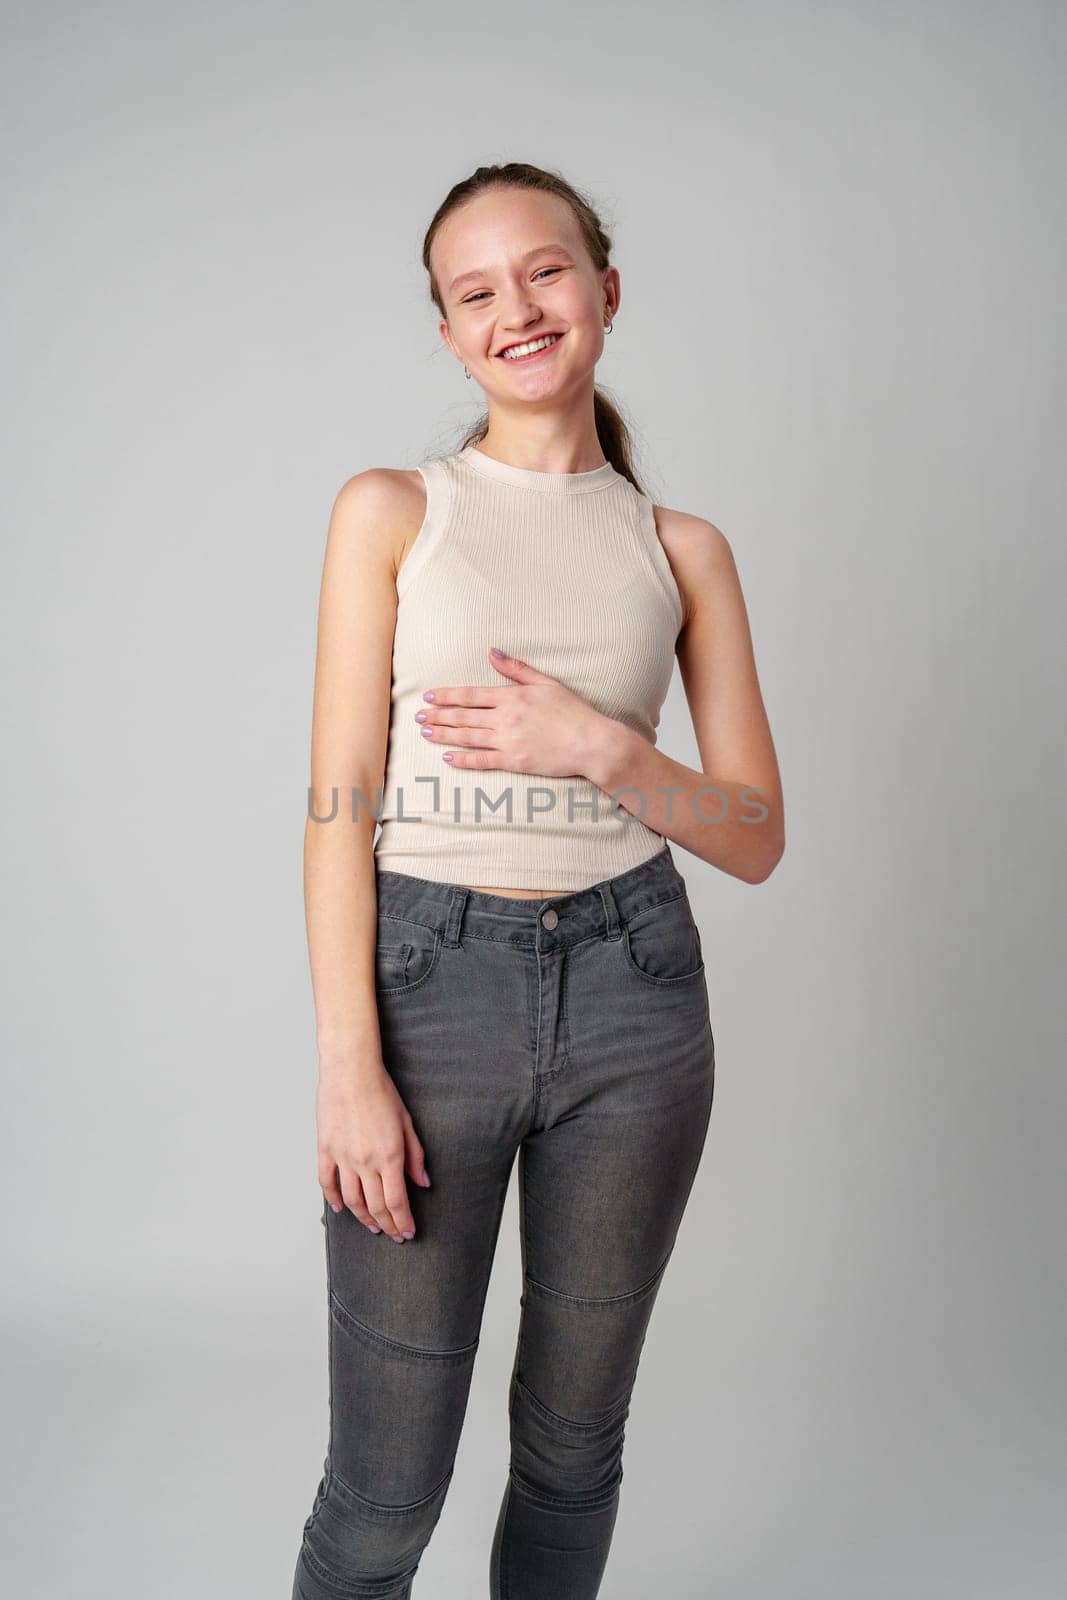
(471, 299)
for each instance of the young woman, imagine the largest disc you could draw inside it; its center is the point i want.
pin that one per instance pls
(512, 967)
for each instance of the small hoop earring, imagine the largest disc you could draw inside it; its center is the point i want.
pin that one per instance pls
(609, 325)
(466, 374)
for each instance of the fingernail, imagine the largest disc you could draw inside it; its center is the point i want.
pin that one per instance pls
(425, 1176)
(372, 1228)
(408, 1235)
(335, 1209)
(397, 1238)
(495, 652)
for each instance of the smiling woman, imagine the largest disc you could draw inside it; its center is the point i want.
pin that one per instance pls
(498, 628)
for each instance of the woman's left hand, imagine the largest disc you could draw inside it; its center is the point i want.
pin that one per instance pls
(532, 724)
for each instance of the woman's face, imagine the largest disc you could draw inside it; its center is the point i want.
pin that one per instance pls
(523, 272)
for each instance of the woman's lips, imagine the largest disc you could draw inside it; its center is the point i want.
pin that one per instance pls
(518, 361)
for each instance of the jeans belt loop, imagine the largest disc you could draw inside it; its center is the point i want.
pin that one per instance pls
(454, 916)
(611, 912)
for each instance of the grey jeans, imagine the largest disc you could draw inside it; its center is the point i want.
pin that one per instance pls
(573, 1032)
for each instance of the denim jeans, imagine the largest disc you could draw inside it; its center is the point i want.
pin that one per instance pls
(573, 1032)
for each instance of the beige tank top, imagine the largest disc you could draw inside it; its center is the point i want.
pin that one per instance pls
(565, 571)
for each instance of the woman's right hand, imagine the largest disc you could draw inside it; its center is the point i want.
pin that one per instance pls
(366, 1141)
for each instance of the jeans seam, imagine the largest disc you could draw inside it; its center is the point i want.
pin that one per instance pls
(326, 1574)
(529, 948)
(329, 1346)
(610, 1417)
(595, 1503)
(396, 916)
(605, 1300)
(343, 1314)
(391, 1511)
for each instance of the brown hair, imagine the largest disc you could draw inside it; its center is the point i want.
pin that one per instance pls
(612, 431)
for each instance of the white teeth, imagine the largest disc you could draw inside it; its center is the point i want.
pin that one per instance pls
(527, 349)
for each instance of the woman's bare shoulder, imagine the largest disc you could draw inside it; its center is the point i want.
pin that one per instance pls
(697, 550)
(376, 491)
(685, 527)
(383, 506)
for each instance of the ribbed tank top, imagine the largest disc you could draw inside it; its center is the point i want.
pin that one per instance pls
(565, 571)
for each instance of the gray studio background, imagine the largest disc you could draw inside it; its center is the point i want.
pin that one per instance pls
(840, 233)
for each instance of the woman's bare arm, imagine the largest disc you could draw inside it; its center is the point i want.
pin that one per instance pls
(365, 1133)
(350, 726)
(707, 810)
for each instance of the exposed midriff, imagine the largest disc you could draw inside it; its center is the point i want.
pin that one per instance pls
(518, 894)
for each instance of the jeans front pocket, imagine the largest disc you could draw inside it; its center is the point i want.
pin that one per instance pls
(662, 943)
(405, 955)
(391, 964)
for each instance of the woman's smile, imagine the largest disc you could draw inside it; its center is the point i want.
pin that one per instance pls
(530, 354)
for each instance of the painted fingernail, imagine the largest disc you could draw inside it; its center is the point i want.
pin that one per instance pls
(408, 1235)
(420, 716)
(372, 1229)
(428, 694)
(427, 733)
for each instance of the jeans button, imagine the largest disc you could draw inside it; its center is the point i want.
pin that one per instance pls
(550, 918)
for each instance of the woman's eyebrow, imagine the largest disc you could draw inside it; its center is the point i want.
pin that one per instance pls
(483, 272)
